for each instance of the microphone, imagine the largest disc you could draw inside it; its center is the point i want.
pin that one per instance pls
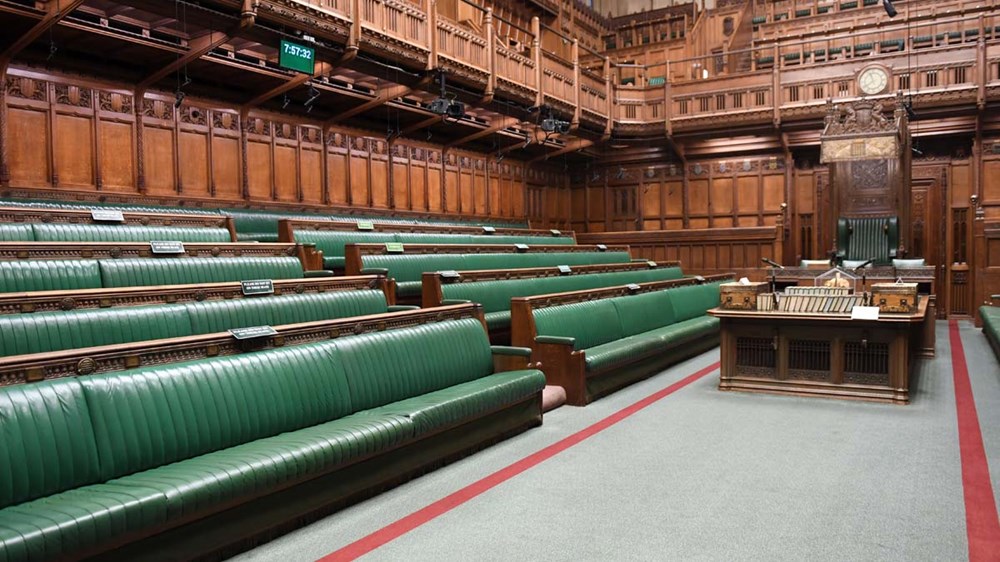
(864, 265)
(772, 263)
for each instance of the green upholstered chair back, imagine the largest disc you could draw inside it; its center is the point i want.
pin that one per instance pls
(46, 440)
(868, 237)
(125, 233)
(46, 275)
(693, 301)
(175, 271)
(590, 323)
(384, 367)
(16, 232)
(154, 416)
(645, 311)
(219, 316)
(53, 331)
(332, 243)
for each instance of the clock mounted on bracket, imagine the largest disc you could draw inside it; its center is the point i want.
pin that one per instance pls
(873, 80)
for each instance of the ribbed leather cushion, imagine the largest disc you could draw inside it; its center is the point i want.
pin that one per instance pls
(437, 238)
(53, 331)
(620, 352)
(498, 320)
(126, 233)
(154, 416)
(48, 275)
(591, 323)
(991, 321)
(693, 301)
(219, 316)
(410, 267)
(16, 233)
(450, 405)
(645, 311)
(46, 440)
(384, 367)
(173, 271)
(331, 243)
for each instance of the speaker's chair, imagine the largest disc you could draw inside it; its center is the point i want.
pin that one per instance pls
(859, 239)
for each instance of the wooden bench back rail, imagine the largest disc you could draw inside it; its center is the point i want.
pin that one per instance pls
(77, 216)
(21, 369)
(11, 251)
(433, 280)
(287, 228)
(52, 301)
(523, 324)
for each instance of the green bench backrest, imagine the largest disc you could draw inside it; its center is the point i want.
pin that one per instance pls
(591, 323)
(52, 331)
(46, 275)
(693, 301)
(645, 311)
(409, 267)
(46, 440)
(495, 295)
(175, 271)
(125, 233)
(384, 367)
(219, 316)
(331, 243)
(16, 233)
(154, 416)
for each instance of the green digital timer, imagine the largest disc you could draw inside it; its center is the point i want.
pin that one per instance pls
(296, 57)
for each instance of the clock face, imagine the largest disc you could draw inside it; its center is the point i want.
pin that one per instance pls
(873, 80)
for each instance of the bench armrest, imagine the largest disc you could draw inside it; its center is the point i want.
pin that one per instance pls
(510, 350)
(318, 273)
(447, 302)
(559, 340)
(402, 307)
(375, 271)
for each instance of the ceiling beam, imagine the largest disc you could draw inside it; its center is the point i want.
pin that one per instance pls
(385, 95)
(578, 144)
(496, 126)
(319, 69)
(55, 11)
(422, 124)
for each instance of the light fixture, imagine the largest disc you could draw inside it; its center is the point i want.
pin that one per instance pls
(890, 10)
(550, 124)
(179, 98)
(313, 96)
(285, 102)
(447, 106)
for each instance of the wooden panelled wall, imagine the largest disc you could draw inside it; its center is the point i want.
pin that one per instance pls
(70, 133)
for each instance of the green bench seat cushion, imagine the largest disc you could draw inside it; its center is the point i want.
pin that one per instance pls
(636, 347)
(125, 233)
(385, 367)
(445, 407)
(991, 321)
(54, 331)
(177, 271)
(46, 275)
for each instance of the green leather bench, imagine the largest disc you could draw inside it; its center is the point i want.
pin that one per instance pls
(591, 345)
(332, 243)
(495, 295)
(407, 269)
(125, 233)
(164, 461)
(53, 331)
(50, 275)
(991, 326)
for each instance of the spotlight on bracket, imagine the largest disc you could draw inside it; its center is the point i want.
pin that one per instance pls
(549, 123)
(445, 105)
(890, 10)
(313, 96)
(179, 98)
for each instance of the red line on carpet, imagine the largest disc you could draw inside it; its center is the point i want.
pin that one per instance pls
(981, 521)
(402, 526)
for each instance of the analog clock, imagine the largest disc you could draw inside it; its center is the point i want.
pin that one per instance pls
(873, 80)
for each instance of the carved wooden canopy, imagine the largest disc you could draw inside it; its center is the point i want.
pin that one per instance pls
(860, 130)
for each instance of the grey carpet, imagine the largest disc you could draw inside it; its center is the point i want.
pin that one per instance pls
(702, 475)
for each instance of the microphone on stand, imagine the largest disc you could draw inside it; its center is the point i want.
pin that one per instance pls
(772, 263)
(864, 278)
(864, 265)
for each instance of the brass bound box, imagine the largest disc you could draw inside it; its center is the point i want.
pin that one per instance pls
(736, 296)
(895, 297)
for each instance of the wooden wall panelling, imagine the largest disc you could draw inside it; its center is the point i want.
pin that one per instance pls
(359, 171)
(480, 189)
(400, 176)
(158, 155)
(378, 173)
(259, 159)
(73, 117)
(338, 170)
(194, 151)
(226, 170)
(310, 161)
(28, 142)
(285, 159)
(451, 189)
(116, 123)
(435, 180)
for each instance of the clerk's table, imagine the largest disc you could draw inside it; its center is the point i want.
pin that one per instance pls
(827, 355)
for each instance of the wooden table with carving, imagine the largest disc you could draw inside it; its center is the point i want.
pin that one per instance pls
(827, 355)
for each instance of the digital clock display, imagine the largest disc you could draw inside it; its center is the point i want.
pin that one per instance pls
(296, 57)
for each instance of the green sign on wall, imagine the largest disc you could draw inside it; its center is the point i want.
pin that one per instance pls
(296, 57)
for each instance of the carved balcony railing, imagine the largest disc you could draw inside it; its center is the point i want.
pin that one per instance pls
(462, 46)
(397, 20)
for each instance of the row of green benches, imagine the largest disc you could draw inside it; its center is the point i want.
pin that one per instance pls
(990, 316)
(21, 232)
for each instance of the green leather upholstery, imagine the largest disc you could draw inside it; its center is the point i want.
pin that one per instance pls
(167, 271)
(991, 326)
(54, 331)
(125, 233)
(869, 237)
(88, 461)
(620, 330)
(46, 441)
(913, 262)
(495, 295)
(45, 275)
(10, 232)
